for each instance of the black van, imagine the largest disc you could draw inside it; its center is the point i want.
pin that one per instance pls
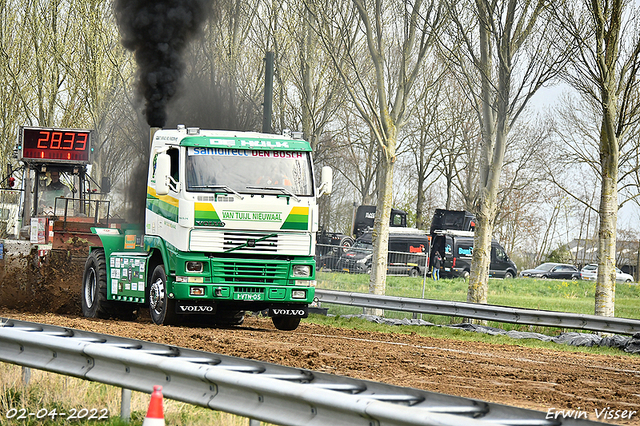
(408, 248)
(456, 249)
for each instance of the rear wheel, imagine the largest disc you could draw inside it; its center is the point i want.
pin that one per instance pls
(414, 272)
(161, 308)
(286, 323)
(94, 286)
(345, 244)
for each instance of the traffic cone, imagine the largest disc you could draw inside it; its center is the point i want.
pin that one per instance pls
(155, 414)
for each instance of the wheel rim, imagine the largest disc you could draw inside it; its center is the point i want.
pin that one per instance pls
(90, 288)
(156, 296)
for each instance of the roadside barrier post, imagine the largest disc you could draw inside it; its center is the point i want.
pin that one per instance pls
(125, 405)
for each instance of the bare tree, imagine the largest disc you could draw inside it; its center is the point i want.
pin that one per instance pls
(397, 38)
(605, 72)
(503, 66)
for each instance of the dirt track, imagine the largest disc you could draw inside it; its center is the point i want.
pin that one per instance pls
(532, 378)
(544, 380)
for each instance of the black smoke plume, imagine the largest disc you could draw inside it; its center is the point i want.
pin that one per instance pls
(158, 32)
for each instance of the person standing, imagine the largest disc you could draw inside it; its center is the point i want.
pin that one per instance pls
(437, 263)
(53, 190)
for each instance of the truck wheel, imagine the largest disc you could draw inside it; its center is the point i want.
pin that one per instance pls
(345, 244)
(414, 272)
(94, 286)
(508, 275)
(161, 308)
(286, 323)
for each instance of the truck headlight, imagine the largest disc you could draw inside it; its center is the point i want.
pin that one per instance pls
(299, 294)
(301, 270)
(193, 266)
(196, 291)
(180, 279)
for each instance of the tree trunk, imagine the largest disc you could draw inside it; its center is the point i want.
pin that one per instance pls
(380, 236)
(479, 276)
(419, 205)
(485, 217)
(606, 284)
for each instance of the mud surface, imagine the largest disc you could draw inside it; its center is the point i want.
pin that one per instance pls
(544, 380)
(30, 283)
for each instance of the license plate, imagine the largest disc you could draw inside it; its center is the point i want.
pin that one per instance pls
(345, 269)
(248, 296)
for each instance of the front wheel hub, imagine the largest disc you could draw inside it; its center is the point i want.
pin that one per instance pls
(156, 295)
(90, 288)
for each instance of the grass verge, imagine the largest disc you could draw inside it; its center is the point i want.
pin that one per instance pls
(551, 295)
(55, 398)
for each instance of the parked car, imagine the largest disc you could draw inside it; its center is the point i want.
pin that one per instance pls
(590, 273)
(553, 270)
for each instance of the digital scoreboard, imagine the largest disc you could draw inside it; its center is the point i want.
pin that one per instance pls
(45, 145)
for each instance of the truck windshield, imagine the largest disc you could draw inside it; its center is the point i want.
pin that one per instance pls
(248, 171)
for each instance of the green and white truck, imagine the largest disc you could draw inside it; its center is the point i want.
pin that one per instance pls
(230, 226)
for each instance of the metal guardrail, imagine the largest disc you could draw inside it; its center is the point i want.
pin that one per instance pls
(483, 312)
(254, 389)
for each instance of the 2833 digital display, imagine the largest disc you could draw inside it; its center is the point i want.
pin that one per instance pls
(55, 145)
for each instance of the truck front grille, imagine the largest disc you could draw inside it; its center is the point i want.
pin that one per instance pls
(249, 271)
(219, 241)
(250, 242)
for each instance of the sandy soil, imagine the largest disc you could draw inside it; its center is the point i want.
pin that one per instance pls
(539, 379)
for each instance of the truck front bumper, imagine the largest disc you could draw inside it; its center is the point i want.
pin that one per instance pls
(243, 293)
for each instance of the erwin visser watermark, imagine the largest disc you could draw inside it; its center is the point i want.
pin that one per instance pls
(605, 413)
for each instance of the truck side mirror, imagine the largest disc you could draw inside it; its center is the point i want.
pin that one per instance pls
(163, 168)
(327, 181)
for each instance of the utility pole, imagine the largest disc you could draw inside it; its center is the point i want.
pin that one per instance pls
(268, 93)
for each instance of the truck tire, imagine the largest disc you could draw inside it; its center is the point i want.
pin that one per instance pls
(345, 244)
(286, 323)
(94, 286)
(161, 308)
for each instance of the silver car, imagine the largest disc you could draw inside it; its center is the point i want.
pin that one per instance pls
(590, 273)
